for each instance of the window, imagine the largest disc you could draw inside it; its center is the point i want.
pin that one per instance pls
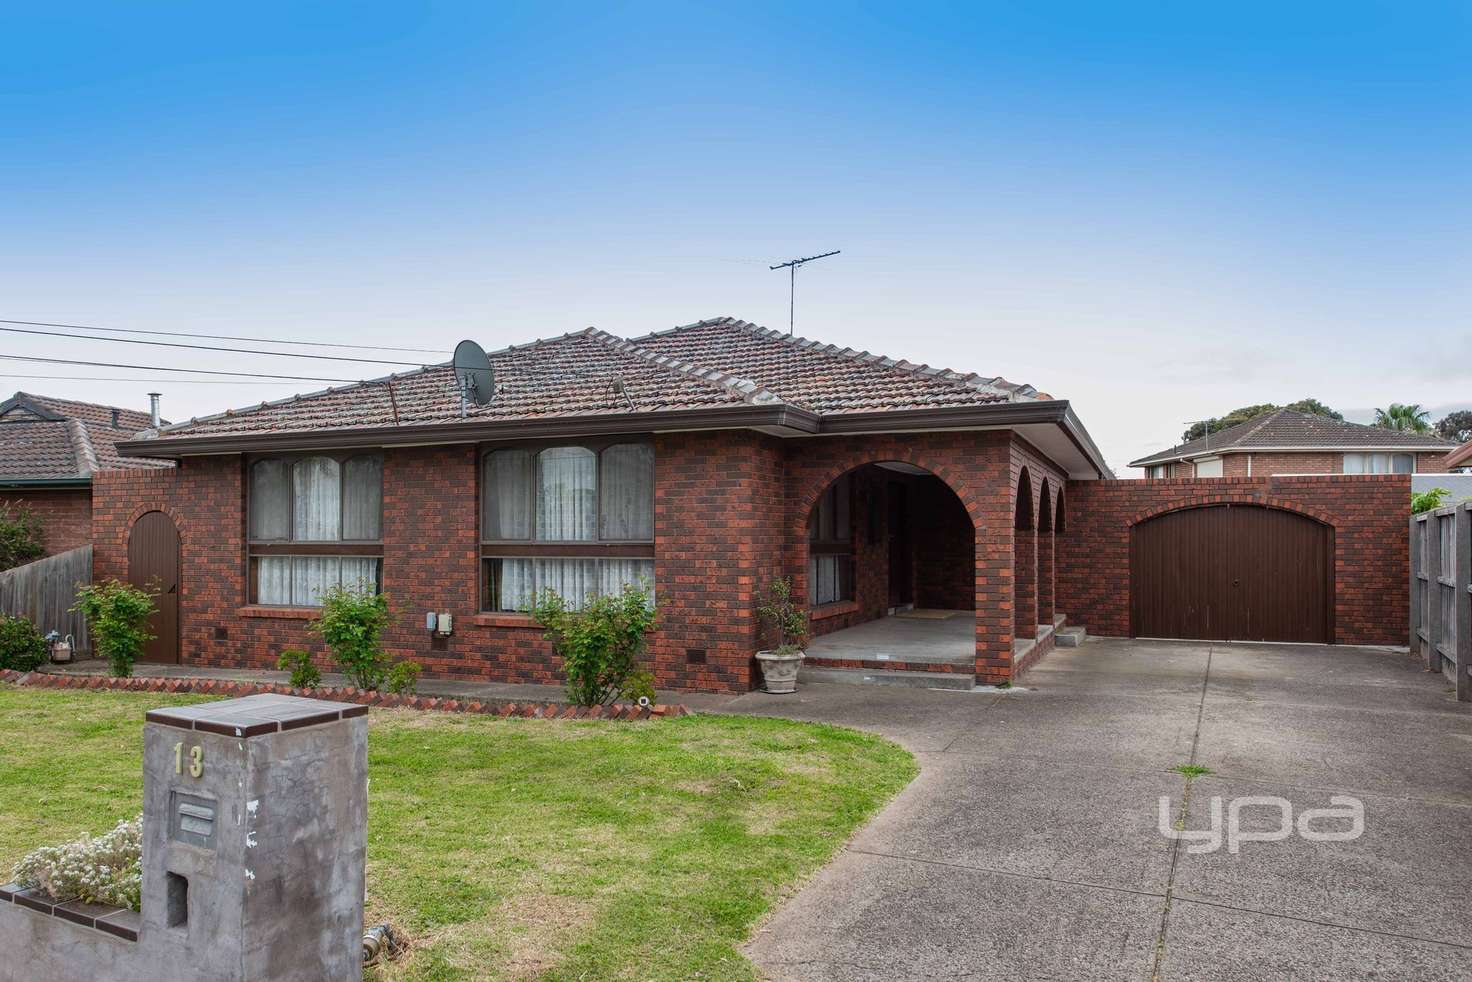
(830, 545)
(1209, 467)
(575, 519)
(315, 522)
(1379, 463)
(1158, 470)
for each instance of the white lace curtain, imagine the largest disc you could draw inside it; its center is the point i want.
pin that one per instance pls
(627, 489)
(567, 504)
(517, 582)
(508, 495)
(300, 581)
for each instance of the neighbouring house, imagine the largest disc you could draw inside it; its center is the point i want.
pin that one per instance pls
(49, 451)
(1289, 442)
(1460, 459)
(927, 516)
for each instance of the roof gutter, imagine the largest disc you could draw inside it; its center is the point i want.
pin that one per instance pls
(36, 483)
(477, 431)
(800, 422)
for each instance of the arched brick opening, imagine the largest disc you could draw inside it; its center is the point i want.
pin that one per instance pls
(1025, 561)
(1046, 540)
(880, 537)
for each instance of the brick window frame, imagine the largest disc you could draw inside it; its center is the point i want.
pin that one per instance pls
(258, 548)
(494, 549)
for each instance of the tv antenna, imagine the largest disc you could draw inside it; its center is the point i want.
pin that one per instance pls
(473, 375)
(791, 267)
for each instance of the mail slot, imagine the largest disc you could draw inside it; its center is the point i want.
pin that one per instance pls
(192, 819)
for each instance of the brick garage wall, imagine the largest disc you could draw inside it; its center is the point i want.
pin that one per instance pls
(65, 515)
(719, 530)
(1368, 516)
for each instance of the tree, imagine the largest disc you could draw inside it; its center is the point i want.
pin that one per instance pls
(1241, 415)
(20, 538)
(1456, 426)
(1407, 418)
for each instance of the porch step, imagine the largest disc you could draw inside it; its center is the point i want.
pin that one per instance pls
(915, 680)
(1071, 637)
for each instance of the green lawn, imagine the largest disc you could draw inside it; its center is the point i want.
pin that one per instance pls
(521, 848)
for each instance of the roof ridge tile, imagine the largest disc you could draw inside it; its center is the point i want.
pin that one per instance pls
(743, 388)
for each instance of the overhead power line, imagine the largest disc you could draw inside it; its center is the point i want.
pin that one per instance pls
(140, 381)
(221, 337)
(206, 347)
(161, 368)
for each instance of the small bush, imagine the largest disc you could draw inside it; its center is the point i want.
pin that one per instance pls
(601, 644)
(403, 677)
(786, 619)
(20, 538)
(304, 674)
(104, 870)
(352, 624)
(1427, 500)
(21, 646)
(118, 616)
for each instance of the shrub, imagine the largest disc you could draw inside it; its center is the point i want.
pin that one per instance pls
(601, 644)
(21, 645)
(403, 677)
(787, 620)
(118, 616)
(304, 674)
(104, 870)
(1427, 500)
(352, 624)
(20, 538)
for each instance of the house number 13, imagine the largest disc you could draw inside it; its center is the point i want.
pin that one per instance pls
(196, 760)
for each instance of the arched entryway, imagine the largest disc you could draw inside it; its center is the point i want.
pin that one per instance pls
(1232, 572)
(153, 565)
(889, 572)
(1024, 561)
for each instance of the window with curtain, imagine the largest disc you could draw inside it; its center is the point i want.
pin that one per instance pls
(315, 522)
(575, 519)
(830, 545)
(1379, 463)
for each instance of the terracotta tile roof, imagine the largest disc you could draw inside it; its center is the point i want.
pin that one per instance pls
(44, 439)
(825, 378)
(1290, 430)
(571, 375)
(711, 364)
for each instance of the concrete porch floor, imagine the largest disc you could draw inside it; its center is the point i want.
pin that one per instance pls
(904, 638)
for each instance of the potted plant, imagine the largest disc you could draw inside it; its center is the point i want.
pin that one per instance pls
(789, 622)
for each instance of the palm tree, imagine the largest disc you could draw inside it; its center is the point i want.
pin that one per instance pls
(1406, 418)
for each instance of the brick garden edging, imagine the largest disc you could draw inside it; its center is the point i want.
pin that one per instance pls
(384, 700)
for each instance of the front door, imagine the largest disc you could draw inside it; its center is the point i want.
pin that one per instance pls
(153, 565)
(901, 567)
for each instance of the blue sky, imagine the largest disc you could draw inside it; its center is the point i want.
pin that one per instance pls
(1160, 211)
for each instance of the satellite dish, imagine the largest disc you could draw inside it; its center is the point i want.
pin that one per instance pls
(473, 375)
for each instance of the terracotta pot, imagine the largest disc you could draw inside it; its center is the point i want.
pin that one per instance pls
(779, 670)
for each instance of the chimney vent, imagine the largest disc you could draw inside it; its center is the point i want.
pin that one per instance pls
(153, 408)
(115, 424)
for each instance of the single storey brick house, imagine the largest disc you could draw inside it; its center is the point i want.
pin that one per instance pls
(1289, 442)
(705, 460)
(903, 501)
(49, 451)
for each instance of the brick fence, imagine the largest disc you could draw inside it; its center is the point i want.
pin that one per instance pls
(1366, 513)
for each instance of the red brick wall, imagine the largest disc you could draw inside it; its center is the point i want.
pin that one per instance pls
(1431, 463)
(1368, 516)
(945, 547)
(65, 515)
(730, 513)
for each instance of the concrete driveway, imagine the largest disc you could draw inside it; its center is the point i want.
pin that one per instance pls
(1029, 847)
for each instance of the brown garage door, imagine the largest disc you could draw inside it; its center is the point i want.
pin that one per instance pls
(1231, 573)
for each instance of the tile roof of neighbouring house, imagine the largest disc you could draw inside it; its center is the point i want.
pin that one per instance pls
(709, 365)
(47, 439)
(1287, 429)
(825, 378)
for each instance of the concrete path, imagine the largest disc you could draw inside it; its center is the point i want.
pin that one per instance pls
(1028, 847)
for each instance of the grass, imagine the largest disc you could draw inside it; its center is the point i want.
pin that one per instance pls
(1192, 770)
(521, 848)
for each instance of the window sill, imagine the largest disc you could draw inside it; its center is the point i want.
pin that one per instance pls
(281, 613)
(522, 621)
(837, 609)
